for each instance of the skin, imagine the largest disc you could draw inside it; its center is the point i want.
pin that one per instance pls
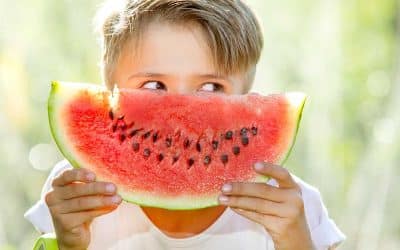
(175, 58)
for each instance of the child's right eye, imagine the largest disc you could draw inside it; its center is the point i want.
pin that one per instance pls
(154, 85)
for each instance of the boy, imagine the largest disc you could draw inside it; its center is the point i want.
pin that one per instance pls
(183, 46)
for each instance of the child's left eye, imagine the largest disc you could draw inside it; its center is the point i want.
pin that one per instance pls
(212, 87)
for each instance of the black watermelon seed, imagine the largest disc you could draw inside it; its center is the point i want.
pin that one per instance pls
(134, 132)
(198, 147)
(207, 160)
(190, 162)
(135, 146)
(175, 159)
(146, 135)
(243, 131)
(130, 125)
(121, 117)
(224, 158)
(215, 144)
(146, 153)
(178, 135)
(168, 142)
(160, 157)
(254, 130)
(236, 150)
(122, 137)
(111, 115)
(155, 137)
(228, 135)
(245, 141)
(186, 143)
(114, 127)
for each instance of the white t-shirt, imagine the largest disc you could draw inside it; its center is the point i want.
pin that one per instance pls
(128, 228)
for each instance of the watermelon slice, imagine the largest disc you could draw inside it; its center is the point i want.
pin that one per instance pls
(168, 150)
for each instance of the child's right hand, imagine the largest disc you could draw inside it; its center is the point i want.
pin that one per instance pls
(76, 199)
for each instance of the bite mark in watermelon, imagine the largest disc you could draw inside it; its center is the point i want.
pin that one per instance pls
(169, 150)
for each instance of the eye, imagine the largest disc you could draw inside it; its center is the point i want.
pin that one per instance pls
(212, 87)
(154, 85)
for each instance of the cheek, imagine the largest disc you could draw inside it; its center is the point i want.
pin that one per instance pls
(239, 84)
(237, 88)
(230, 90)
(128, 85)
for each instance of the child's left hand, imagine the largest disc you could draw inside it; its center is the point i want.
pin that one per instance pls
(279, 209)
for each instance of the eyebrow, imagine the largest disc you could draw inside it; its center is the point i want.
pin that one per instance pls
(215, 76)
(146, 74)
(150, 74)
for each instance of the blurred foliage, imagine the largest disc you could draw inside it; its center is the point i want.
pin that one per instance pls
(344, 54)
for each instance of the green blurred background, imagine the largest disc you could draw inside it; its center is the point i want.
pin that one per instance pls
(344, 54)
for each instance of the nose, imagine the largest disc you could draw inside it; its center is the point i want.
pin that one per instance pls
(181, 87)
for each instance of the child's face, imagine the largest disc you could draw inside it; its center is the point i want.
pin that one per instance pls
(173, 58)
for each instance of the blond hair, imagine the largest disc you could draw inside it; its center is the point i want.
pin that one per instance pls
(232, 31)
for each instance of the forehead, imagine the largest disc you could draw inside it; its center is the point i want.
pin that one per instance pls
(170, 48)
(179, 52)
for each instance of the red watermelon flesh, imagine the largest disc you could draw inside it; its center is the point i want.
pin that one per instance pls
(169, 150)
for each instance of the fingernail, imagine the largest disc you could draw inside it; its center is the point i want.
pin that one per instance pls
(223, 199)
(259, 166)
(227, 188)
(110, 188)
(115, 199)
(90, 176)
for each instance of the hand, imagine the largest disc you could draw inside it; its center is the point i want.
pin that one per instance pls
(76, 199)
(279, 209)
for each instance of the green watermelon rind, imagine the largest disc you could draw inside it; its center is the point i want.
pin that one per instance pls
(298, 116)
(52, 104)
(299, 107)
(181, 203)
(186, 202)
(59, 89)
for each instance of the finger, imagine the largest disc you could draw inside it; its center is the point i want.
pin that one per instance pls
(280, 174)
(251, 189)
(75, 190)
(51, 198)
(253, 204)
(86, 203)
(74, 175)
(73, 220)
(268, 221)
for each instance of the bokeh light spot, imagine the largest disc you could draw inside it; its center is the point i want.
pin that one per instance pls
(43, 156)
